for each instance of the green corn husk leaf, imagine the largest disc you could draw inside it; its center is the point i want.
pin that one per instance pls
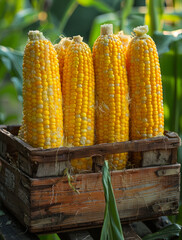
(111, 229)
(165, 233)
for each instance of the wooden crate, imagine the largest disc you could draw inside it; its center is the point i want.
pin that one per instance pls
(33, 188)
(36, 162)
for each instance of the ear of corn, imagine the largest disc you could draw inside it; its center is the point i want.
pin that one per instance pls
(146, 106)
(78, 99)
(112, 111)
(61, 48)
(42, 100)
(125, 39)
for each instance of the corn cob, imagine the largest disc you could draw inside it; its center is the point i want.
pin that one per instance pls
(146, 106)
(78, 100)
(112, 110)
(125, 39)
(61, 51)
(42, 100)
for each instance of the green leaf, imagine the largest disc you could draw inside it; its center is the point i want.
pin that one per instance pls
(111, 228)
(163, 41)
(173, 17)
(49, 237)
(22, 19)
(10, 118)
(126, 10)
(101, 6)
(15, 57)
(17, 84)
(133, 21)
(38, 4)
(85, 3)
(6, 61)
(155, 9)
(166, 232)
(67, 14)
(9, 90)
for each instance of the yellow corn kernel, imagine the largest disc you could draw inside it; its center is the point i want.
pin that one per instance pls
(42, 99)
(125, 39)
(144, 76)
(112, 111)
(78, 88)
(61, 48)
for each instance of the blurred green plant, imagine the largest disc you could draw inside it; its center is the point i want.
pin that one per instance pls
(49, 237)
(13, 18)
(166, 233)
(84, 17)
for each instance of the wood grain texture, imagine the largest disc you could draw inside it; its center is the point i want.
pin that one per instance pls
(51, 162)
(140, 194)
(46, 203)
(49, 204)
(157, 157)
(15, 191)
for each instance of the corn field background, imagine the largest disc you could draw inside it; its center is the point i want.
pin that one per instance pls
(84, 17)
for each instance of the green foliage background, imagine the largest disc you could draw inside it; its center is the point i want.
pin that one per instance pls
(84, 17)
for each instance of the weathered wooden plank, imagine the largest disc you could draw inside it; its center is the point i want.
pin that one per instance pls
(140, 194)
(64, 153)
(156, 143)
(15, 191)
(14, 144)
(51, 162)
(157, 157)
(50, 204)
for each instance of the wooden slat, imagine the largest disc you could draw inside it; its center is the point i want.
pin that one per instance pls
(15, 143)
(158, 157)
(15, 191)
(64, 154)
(51, 162)
(140, 194)
(50, 204)
(106, 148)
